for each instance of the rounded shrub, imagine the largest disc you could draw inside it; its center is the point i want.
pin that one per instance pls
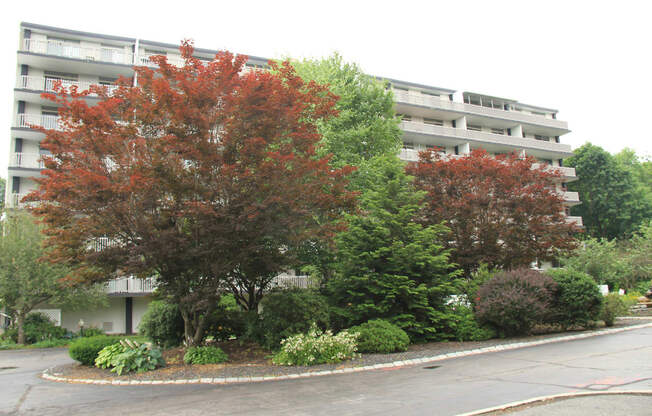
(514, 301)
(379, 336)
(576, 299)
(288, 312)
(85, 350)
(205, 355)
(612, 306)
(466, 327)
(316, 347)
(163, 324)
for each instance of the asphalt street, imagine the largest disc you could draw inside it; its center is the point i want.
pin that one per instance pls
(614, 362)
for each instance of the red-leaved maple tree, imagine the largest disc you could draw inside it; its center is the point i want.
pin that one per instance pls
(204, 176)
(503, 211)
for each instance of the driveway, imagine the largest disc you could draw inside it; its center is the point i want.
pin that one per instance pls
(603, 363)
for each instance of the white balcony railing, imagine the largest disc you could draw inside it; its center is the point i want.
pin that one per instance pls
(172, 60)
(46, 121)
(76, 51)
(131, 285)
(571, 197)
(47, 84)
(14, 200)
(287, 281)
(405, 97)
(483, 137)
(575, 220)
(26, 160)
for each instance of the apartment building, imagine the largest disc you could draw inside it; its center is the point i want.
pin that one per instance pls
(453, 122)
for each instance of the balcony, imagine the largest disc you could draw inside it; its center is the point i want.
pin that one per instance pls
(14, 201)
(26, 160)
(289, 281)
(49, 122)
(571, 198)
(575, 220)
(460, 135)
(405, 97)
(131, 286)
(172, 60)
(75, 51)
(47, 84)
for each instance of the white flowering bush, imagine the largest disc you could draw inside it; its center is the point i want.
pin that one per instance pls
(317, 347)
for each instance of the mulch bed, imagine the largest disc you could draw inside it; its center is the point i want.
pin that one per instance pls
(250, 360)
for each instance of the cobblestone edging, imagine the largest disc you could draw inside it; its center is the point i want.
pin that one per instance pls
(395, 364)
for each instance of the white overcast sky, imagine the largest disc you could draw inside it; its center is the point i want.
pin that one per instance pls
(589, 59)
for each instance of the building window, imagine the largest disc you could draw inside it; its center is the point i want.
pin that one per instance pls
(433, 122)
(404, 117)
(408, 145)
(542, 138)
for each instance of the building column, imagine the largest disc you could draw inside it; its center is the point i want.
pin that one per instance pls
(129, 313)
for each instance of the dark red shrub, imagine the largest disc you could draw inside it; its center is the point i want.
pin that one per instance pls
(514, 301)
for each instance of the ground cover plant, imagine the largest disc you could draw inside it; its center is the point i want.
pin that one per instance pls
(126, 356)
(316, 347)
(205, 355)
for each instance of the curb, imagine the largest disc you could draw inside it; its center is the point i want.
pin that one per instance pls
(554, 397)
(395, 364)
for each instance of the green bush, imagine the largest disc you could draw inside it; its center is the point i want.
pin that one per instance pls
(205, 355)
(85, 350)
(228, 321)
(612, 306)
(91, 332)
(514, 301)
(316, 347)
(465, 326)
(288, 312)
(378, 336)
(163, 324)
(576, 299)
(51, 343)
(37, 327)
(127, 356)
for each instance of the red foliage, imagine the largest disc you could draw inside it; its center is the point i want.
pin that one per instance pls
(192, 174)
(503, 211)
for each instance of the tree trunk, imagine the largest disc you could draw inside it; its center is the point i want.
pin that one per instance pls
(20, 322)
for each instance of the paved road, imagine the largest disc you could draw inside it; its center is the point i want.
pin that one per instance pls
(611, 362)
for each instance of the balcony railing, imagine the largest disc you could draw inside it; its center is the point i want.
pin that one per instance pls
(575, 220)
(172, 60)
(436, 102)
(26, 160)
(131, 285)
(47, 84)
(76, 51)
(571, 197)
(483, 137)
(288, 281)
(14, 200)
(46, 121)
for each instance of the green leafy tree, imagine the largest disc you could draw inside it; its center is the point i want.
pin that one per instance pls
(26, 281)
(637, 254)
(612, 204)
(366, 125)
(3, 185)
(388, 265)
(600, 259)
(365, 128)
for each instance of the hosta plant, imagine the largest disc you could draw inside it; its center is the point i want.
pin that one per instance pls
(130, 356)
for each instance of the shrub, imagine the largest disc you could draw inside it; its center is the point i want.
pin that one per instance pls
(612, 306)
(163, 324)
(37, 327)
(288, 312)
(85, 350)
(51, 343)
(128, 355)
(205, 355)
(514, 301)
(380, 336)
(228, 321)
(90, 332)
(465, 326)
(316, 347)
(576, 299)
